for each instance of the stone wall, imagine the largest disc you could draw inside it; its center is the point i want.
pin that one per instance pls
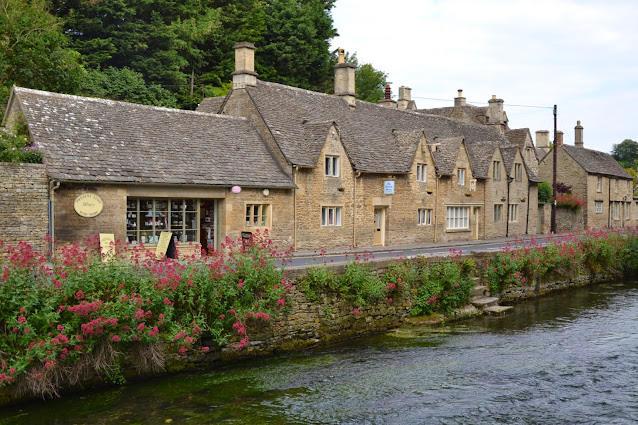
(24, 200)
(569, 221)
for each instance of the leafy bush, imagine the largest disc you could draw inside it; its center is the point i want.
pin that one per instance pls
(544, 192)
(16, 146)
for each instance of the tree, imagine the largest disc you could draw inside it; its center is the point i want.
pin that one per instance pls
(544, 192)
(33, 50)
(626, 153)
(369, 83)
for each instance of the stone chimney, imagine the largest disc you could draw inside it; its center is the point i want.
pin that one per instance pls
(542, 139)
(405, 96)
(459, 101)
(387, 101)
(344, 79)
(559, 138)
(578, 135)
(244, 74)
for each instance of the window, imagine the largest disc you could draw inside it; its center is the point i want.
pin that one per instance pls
(331, 216)
(460, 176)
(257, 215)
(598, 207)
(518, 172)
(498, 213)
(513, 213)
(616, 185)
(457, 218)
(425, 217)
(616, 210)
(599, 184)
(496, 170)
(420, 173)
(147, 218)
(332, 166)
(627, 212)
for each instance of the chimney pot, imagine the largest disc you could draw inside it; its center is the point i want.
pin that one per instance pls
(559, 138)
(405, 98)
(494, 96)
(460, 100)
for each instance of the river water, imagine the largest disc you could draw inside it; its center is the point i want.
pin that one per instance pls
(567, 359)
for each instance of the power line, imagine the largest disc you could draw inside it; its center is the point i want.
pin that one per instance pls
(484, 103)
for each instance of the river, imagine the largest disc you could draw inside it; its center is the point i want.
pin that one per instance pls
(571, 358)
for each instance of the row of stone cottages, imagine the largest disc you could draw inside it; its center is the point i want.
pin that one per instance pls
(316, 171)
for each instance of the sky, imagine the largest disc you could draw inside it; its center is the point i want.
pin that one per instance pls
(580, 55)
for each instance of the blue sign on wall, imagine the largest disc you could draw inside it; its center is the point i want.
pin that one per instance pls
(388, 187)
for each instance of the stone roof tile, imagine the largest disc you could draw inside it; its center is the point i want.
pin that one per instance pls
(596, 162)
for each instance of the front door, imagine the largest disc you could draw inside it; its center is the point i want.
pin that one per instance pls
(379, 226)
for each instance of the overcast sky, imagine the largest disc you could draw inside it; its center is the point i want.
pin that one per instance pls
(581, 55)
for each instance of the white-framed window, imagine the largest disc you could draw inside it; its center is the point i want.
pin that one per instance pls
(627, 210)
(498, 213)
(424, 217)
(496, 170)
(147, 218)
(457, 218)
(616, 210)
(518, 172)
(598, 207)
(460, 176)
(330, 216)
(332, 166)
(257, 215)
(513, 213)
(615, 185)
(421, 173)
(599, 184)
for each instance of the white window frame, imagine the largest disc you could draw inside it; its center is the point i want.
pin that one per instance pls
(332, 166)
(147, 218)
(258, 216)
(424, 217)
(518, 172)
(599, 184)
(460, 176)
(512, 213)
(627, 210)
(331, 216)
(457, 218)
(498, 213)
(616, 210)
(496, 171)
(421, 173)
(598, 207)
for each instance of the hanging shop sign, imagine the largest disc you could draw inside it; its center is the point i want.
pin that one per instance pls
(88, 205)
(235, 189)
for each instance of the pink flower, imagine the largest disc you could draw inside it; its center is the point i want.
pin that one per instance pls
(357, 311)
(116, 338)
(79, 295)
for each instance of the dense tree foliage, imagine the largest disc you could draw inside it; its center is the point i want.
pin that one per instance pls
(167, 52)
(626, 153)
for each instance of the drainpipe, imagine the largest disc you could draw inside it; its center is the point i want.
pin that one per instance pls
(609, 200)
(507, 223)
(53, 186)
(354, 209)
(485, 209)
(527, 221)
(294, 208)
(436, 205)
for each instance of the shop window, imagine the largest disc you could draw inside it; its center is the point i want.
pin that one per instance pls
(330, 216)
(257, 215)
(332, 166)
(147, 218)
(424, 217)
(420, 173)
(457, 218)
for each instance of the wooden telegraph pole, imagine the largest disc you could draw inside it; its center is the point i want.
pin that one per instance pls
(555, 168)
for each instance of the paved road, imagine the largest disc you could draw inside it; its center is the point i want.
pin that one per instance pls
(301, 259)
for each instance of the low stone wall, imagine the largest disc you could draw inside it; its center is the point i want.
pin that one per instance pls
(24, 204)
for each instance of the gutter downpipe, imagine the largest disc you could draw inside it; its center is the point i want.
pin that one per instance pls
(354, 209)
(436, 205)
(529, 188)
(53, 186)
(507, 223)
(609, 208)
(295, 169)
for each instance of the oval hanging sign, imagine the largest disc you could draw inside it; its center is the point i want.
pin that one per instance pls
(235, 189)
(88, 205)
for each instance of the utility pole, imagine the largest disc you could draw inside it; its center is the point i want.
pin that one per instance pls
(555, 168)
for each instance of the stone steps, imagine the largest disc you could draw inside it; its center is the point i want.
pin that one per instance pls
(481, 299)
(484, 302)
(498, 310)
(479, 291)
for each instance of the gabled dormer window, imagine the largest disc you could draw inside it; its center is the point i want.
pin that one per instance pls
(496, 170)
(420, 173)
(460, 176)
(332, 166)
(518, 172)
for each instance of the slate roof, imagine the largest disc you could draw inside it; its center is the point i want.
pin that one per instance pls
(596, 162)
(468, 113)
(446, 154)
(211, 105)
(481, 154)
(518, 136)
(372, 135)
(509, 156)
(97, 140)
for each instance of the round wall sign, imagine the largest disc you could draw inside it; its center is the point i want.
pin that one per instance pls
(88, 205)
(235, 189)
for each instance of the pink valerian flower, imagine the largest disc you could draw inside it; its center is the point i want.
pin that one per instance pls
(79, 295)
(116, 338)
(357, 311)
(281, 302)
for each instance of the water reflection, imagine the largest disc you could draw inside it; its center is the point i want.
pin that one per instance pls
(569, 358)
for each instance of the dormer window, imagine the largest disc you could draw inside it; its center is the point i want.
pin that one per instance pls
(332, 166)
(518, 172)
(460, 176)
(420, 173)
(496, 170)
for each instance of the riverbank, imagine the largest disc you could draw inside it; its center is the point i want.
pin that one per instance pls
(82, 321)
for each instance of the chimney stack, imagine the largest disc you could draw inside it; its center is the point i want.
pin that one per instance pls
(459, 101)
(244, 74)
(578, 135)
(542, 139)
(495, 114)
(344, 80)
(559, 138)
(405, 97)
(387, 101)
